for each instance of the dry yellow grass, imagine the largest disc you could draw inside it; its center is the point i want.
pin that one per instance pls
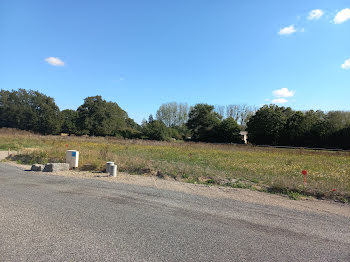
(232, 165)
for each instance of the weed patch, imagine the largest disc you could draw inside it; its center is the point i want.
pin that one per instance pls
(273, 170)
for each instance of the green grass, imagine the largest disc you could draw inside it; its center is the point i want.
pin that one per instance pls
(249, 167)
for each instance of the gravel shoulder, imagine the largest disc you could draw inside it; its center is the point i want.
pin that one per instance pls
(218, 192)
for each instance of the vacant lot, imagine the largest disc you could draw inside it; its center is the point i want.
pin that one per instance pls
(266, 169)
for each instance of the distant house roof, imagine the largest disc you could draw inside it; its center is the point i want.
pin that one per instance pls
(243, 133)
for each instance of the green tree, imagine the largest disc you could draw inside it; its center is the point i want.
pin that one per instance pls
(228, 131)
(268, 124)
(132, 124)
(130, 133)
(97, 117)
(173, 114)
(202, 122)
(155, 130)
(317, 129)
(338, 120)
(29, 110)
(69, 124)
(48, 114)
(295, 129)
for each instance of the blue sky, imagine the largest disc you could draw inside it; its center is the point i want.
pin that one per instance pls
(141, 54)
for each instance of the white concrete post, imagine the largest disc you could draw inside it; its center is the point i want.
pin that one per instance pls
(108, 164)
(113, 170)
(72, 158)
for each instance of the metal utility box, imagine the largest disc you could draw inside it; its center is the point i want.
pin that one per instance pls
(72, 158)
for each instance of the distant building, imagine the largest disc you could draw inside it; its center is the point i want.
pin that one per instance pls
(244, 135)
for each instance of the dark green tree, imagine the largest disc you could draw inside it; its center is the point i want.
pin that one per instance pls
(29, 110)
(97, 117)
(69, 121)
(48, 113)
(268, 124)
(202, 122)
(131, 131)
(294, 130)
(132, 124)
(228, 131)
(317, 129)
(155, 130)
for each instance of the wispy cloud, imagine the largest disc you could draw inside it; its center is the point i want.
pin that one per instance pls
(283, 92)
(346, 64)
(279, 101)
(315, 14)
(342, 16)
(54, 61)
(287, 30)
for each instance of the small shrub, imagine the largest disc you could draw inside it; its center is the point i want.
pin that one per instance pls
(293, 195)
(185, 176)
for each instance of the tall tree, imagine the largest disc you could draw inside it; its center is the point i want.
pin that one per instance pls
(155, 130)
(173, 114)
(29, 110)
(69, 124)
(182, 114)
(233, 111)
(240, 113)
(97, 117)
(268, 124)
(245, 112)
(202, 122)
(228, 131)
(220, 110)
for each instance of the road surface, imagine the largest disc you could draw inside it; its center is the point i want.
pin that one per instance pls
(55, 218)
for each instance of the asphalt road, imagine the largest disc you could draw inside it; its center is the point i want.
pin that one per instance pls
(53, 218)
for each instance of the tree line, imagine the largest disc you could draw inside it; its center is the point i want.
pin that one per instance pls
(34, 111)
(198, 123)
(282, 126)
(269, 125)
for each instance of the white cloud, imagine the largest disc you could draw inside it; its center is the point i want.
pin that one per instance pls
(315, 14)
(346, 64)
(283, 92)
(342, 16)
(55, 61)
(279, 101)
(287, 30)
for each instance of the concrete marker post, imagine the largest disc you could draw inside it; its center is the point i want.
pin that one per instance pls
(108, 164)
(113, 170)
(72, 158)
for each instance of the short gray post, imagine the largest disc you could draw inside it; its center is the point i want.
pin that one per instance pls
(108, 164)
(113, 170)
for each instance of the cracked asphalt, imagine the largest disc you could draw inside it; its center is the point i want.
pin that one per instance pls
(56, 218)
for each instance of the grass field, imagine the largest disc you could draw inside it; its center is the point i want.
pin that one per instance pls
(266, 169)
